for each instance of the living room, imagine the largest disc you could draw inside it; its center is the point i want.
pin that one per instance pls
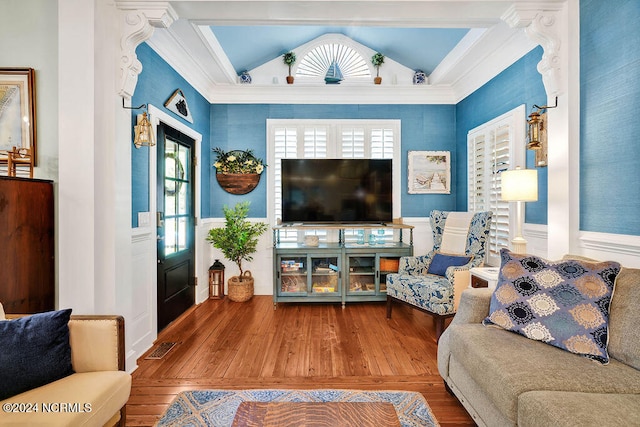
(107, 260)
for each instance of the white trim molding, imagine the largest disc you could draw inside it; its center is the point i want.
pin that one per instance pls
(541, 22)
(622, 248)
(139, 22)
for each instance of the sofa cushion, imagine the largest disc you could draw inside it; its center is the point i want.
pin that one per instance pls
(558, 409)
(97, 396)
(624, 334)
(441, 262)
(34, 350)
(562, 303)
(505, 365)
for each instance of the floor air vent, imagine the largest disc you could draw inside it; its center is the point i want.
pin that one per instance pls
(161, 350)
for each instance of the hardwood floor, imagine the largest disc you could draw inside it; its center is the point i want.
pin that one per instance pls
(228, 345)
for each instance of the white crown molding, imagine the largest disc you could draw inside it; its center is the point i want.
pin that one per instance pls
(541, 22)
(491, 53)
(331, 94)
(139, 22)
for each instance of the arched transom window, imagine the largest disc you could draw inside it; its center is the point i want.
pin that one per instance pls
(316, 63)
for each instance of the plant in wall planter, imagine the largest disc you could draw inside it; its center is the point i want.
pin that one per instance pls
(238, 240)
(237, 171)
(377, 60)
(289, 58)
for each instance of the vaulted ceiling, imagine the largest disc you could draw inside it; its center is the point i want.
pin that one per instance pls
(460, 44)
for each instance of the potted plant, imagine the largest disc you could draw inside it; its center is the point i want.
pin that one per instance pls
(237, 171)
(377, 60)
(238, 240)
(289, 58)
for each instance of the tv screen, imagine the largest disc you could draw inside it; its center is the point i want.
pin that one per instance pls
(336, 190)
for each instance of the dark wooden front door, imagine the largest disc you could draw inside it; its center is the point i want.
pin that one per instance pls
(176, 251)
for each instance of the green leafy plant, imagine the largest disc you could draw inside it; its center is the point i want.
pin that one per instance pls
(289, 58)
(238, 239)
(377, 60)
(237, 161)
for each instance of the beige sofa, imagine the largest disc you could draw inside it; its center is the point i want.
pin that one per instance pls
(97, 357)
(505, 379)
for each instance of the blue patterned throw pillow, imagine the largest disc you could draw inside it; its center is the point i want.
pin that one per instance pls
(562, 303)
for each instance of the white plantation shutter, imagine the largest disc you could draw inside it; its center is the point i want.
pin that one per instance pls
(490, 152)
(285, 145)
(315, 142)
(353, 143)
(382, 141)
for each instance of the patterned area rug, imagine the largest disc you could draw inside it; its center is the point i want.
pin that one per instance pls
(218, 407)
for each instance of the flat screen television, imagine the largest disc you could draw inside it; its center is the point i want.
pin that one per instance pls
(336, 191)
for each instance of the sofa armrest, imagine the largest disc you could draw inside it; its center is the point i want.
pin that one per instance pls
(97, 343)
(474, 306)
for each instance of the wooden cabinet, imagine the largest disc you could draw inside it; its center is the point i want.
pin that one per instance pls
(27, 245)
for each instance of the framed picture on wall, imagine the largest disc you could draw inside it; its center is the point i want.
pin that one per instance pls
(429, 172)
(17, 112)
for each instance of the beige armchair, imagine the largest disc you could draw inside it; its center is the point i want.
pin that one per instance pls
(97, 357)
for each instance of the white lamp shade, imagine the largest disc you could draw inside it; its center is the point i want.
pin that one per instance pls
(520, 185)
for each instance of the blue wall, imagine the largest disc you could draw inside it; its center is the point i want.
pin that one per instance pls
(519, 84)
(609, 107)
(424, 127)
(156, 83)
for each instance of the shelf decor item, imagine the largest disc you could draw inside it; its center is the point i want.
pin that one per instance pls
(377, 60)
(237, 171)
(289, 58)
(238, 240)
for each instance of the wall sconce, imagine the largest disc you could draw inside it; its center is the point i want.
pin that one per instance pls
(537, 133)
(519, 185)
(142, 131)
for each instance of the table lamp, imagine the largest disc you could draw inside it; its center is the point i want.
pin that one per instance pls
(519, 185)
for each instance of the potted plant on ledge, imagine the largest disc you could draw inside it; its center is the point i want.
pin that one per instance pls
(238, 240)
(289, 58)
(377, 60)
(237, 171)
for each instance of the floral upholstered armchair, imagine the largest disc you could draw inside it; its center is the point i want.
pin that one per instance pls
(433, 282)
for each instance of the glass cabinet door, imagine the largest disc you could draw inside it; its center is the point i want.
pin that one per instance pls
(362, 274)
(293, 275)
(325, 275)
(387, 265)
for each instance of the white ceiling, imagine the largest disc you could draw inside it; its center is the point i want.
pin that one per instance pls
(459, 44)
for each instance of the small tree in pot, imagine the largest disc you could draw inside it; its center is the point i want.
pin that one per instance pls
(238, 240)
(377, 60)
(289, 58)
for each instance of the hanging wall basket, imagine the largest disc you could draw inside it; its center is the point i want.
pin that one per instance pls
(238, 183)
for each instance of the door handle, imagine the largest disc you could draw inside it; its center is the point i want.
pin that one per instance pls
(159, 238)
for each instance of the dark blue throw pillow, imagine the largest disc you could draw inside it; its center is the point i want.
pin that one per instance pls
(441, 262)
(34, 351)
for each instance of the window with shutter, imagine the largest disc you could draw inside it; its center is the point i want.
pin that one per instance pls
(329, 139)
(492, 148)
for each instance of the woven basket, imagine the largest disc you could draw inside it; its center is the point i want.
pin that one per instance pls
(241, 291)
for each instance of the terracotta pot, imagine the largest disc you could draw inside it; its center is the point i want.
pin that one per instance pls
(290, 80)
(238, 183)
(377, 80)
